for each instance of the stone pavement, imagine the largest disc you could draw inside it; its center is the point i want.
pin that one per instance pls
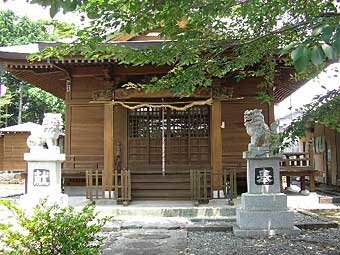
(148, 242)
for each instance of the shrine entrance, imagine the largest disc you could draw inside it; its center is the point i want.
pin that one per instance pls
(163, 145)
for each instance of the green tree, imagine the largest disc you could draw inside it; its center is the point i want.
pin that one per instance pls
(209, 39)
(26, 102)
(5, 101)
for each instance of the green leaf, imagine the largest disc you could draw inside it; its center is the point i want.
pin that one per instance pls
(301, 63)
(329, 51)
(317, 56)
(337, 35)
(336, 45)
(285, 50)
(327, 32)
(53, 10)
(298, 52)
(317, 31)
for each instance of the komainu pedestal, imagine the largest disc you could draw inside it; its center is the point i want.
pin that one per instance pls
(263, 210)
(44, 165)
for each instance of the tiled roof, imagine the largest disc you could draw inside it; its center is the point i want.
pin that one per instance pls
(25, 127)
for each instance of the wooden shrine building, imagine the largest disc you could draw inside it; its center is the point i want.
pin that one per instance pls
(158, 137)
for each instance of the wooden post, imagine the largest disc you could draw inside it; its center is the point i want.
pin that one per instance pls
(216, 144)
(108, 146)
(311, 183)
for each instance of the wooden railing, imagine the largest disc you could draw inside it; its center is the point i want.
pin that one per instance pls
(227, 185)
(118, 183)
(94, 188)
(123, 186)
(201, 185)
(295, 160)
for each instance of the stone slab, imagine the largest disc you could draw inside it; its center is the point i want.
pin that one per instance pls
(263, 233)
(263, 164)
(264, 202)
(44, 155)
(261, 153)
(264, 220)
(53, 170)
(142, 242)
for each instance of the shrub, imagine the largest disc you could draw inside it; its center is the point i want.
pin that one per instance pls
(52, 230)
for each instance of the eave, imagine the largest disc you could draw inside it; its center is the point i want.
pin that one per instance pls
(49, 74)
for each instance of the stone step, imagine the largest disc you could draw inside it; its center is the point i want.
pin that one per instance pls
(164, 211)
(169, 223)
(216, 209)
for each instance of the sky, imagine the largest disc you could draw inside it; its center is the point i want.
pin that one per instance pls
(300, 97)
(306, 93)
(35, 11)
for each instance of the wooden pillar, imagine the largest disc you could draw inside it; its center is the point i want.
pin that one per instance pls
(216, 144)
(108, 146)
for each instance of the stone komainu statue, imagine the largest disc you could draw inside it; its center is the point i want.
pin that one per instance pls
(257, 128)
(48, 135)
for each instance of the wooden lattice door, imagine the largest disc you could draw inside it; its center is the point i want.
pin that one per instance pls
(187, 142)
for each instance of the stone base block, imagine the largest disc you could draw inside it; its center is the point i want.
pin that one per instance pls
(28, 201)
(304, 192)
(258, 233)
(264, 220)
(264, 202)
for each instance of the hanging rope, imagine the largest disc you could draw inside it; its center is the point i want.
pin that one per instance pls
(162, 105)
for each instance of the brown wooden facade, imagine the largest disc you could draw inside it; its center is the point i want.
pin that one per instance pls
(12, 149)
(103, 134)
(324, 146)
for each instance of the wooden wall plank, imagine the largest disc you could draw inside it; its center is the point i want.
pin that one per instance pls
(82, 88)
(234, 136)
(86, 130)
(13, 148)
(120, 132)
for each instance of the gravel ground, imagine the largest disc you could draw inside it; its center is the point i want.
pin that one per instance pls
(302, 218)
(325, 241)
